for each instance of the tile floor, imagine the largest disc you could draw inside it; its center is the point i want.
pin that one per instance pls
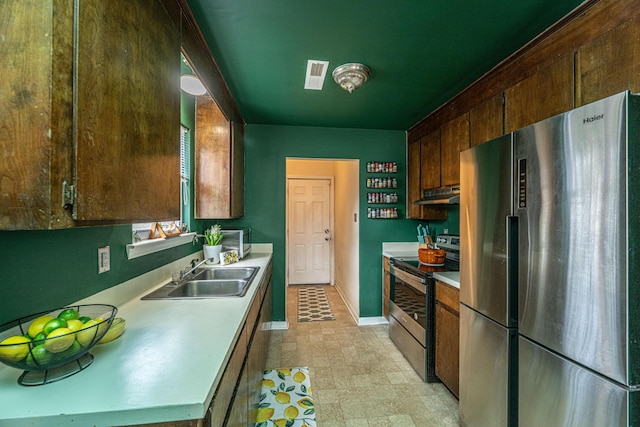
(358, 376)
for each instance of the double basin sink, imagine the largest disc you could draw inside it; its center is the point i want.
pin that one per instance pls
(214, 282)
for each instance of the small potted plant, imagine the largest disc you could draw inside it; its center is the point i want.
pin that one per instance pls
(213, 244)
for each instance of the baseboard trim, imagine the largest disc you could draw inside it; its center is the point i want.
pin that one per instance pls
(279, 326)
(368, 321)
(350, 309)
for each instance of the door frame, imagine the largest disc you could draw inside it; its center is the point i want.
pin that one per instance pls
(332, 258)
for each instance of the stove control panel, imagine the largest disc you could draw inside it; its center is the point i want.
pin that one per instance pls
(448, 241)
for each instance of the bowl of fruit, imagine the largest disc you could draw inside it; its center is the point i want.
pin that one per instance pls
(52, 345)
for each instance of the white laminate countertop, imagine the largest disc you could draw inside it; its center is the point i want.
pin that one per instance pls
(407, 250)
(449, 277)
(165, 367)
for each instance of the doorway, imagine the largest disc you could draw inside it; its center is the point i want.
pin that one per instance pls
(343, 234)
(310, 225)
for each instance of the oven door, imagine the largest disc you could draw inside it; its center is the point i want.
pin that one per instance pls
(408, 302)
(412, 320)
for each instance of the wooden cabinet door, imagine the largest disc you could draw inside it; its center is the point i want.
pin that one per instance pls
(386, 286)
(425, 165)
(223, 397)
(238, 412)
(35, 113)
(127, 111)
(447, 347)
(430, 160)
(604, 67)
(237, 171)
(486, 121)
(213, 160)
(448, 336)
(541, 95)
(414, 187)
(219, 170)
(454, 138)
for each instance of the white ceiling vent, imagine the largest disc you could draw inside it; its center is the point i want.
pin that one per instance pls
(316, 70)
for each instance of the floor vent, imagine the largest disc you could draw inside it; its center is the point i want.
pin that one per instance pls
(316, 71)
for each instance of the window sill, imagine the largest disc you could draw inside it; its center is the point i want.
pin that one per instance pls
(146, 247)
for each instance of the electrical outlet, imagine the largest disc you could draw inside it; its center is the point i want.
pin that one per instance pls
(104, 261)
(446, 231)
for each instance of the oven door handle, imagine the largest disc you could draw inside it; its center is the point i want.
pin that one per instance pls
(418, 283)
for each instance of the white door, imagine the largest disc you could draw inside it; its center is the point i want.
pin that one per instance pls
(310, 235)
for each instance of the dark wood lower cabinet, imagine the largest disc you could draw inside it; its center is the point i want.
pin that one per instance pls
(448, 336)
(244, 404)
(386, 286)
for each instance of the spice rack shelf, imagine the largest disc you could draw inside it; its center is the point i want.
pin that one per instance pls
(382, 213)
(384, 182)
(382, 167)
(382, 178)
(382, 198)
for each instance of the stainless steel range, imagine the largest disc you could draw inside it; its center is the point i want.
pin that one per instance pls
(412, 305)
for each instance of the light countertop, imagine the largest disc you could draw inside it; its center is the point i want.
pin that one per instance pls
(406, 250)
(449, 277)
(165, 367)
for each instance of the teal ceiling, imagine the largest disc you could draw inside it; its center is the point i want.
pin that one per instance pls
(421, 53)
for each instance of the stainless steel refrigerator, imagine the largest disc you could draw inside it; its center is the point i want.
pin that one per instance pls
(572, 245)
(488, 337)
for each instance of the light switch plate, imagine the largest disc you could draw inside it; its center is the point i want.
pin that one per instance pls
(104, 261)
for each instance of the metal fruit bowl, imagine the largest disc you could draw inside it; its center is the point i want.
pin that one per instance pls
(47, 355)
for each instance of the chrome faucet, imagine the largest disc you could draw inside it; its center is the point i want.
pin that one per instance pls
(192, 269)
(195, 238)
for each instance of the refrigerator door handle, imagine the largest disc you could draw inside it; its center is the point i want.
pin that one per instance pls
(512, 269)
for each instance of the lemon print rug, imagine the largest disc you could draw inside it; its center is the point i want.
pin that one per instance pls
(285, 399)
(313, 305)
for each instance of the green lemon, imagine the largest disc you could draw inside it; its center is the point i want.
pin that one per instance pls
(36, 326)
(84, 319)
(38, 339)
(39, 357)
(69, 314)
(54, 324)
(14, 348)
(59, 340)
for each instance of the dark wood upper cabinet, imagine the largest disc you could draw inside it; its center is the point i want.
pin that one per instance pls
(486, 121)
(127, 112)
(219, 170)
(430, 161)
(236, 208)
(35, 113)
(604, 67)
(219, 150)
(414, 191)
(454, 138)
(542, 95)
(415, 171)
(102, 118)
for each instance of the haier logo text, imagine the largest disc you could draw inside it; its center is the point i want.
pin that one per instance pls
(592, 119)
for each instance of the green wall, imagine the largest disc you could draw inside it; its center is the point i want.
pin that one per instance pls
(42, 270)
(266, 150)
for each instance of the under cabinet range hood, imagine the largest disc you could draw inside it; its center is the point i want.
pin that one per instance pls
(440, 196)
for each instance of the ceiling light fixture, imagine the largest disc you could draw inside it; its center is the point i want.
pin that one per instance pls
(351, 76)
(192, 84)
